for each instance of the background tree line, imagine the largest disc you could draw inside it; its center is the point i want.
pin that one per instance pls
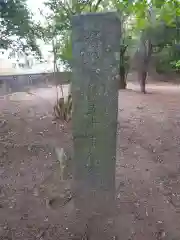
(150, 32)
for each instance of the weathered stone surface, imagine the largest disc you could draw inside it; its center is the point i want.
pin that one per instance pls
(96, 42)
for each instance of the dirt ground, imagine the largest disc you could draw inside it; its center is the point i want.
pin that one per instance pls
(148, 165)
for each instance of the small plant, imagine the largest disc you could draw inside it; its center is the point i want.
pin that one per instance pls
(178, 65)
(175, 65)
(63, 108)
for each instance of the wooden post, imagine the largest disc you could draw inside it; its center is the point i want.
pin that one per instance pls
(95, 78)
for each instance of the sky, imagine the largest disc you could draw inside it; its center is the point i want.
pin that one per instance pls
(34, 5)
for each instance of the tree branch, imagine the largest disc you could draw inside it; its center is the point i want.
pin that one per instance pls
(68, 10)
(97, 5)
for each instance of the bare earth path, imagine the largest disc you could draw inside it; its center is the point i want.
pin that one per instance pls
(148, 166)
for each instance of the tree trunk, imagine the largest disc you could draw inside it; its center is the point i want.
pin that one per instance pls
(122, 69)
(145, 56)
(122, 80)
(122, 83)
(142, 80)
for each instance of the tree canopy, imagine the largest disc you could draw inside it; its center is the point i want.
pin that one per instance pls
(164, 13)
(157, 21)
(16, 25)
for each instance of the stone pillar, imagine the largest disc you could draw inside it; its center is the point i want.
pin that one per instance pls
(96, 47)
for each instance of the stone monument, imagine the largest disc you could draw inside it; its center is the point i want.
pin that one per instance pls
(95, 76)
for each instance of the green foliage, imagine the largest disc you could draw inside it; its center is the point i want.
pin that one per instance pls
(175, 65)
(65, 52)
(157, 19)
(178, 65)
(168, 59)
(16, 23)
